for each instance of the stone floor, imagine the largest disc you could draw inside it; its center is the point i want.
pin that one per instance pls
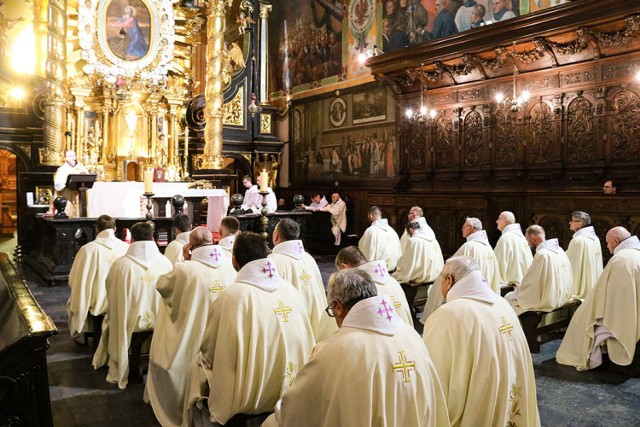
(80, 396)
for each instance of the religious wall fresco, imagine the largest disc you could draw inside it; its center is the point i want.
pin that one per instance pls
(319, 42)
(346, 137)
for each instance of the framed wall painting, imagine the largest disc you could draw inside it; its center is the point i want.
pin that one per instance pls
(337, 112)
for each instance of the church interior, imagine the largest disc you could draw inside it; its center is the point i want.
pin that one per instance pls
(466, 108)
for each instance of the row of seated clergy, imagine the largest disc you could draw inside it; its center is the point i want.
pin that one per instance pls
(352, 257)
(609, 318)
(380, 241)
(477, 247)
(182, 226)
(88, 274)
(547, 283)
(132, 301)
(187, 292)
(299, 268)
(490, 383)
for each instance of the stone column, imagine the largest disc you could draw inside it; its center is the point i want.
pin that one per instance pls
(212, 158)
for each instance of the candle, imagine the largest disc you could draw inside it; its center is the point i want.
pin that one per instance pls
(186, 141)
(264, 180)
(148, 181)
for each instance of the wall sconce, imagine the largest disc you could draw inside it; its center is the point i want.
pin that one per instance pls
(366, 54)
(424, 113)
(516, 101)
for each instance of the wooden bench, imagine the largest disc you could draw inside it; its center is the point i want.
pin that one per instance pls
(632, 370)
(536, 334)
(136, 373)
(244, 420)
(96, 334)
(416, 294)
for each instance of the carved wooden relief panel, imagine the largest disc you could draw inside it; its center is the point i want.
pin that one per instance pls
(625, 126)
(472, 139)
(580, 137)
(444, 143)
(505, 137)
(540, 134)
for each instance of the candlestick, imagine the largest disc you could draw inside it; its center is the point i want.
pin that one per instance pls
(186, 141)
(148, 181)
(264, 221)
(264, 181)
(149, 214)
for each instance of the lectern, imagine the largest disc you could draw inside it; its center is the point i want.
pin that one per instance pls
(81, 183)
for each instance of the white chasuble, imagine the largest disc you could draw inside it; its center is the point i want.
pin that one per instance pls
(381, 242)
(585, 254)
(478, 248)
(87, 279)
(132, 307)
(513, 254)
(612, 309)
(483, 361)
(547, 284)
(374, 371)
(173, 251)
(299, 268)
(421, 260)
(226, 243)
(387, 285)
(186, 294)
(258, 336)
(424, 229)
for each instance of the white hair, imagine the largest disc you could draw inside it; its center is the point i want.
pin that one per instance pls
(459, 266)
(509, 217)
(475, 223)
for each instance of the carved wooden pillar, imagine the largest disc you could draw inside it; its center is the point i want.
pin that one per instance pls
(265, 9)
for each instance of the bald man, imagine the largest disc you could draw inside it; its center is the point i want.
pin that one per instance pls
(512, 250)
(609, 318)
(194, 283)
(380, 241)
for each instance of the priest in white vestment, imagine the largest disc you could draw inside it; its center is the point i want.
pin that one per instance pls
(187, 292)
(585, 254)
(380, 241)
(70, 167)
(547, 284)
(299, 268)
(609, 318)
(338, 210)
(258, 336)
(182, 227)
(229, 229)
(317, 202)
(416, 215)
(253, 199)
(476, 247)
(88, 274)
(480, 352)
(375, 371)
(421, 259)
(352, 257)
(133, 302)
(512, 250)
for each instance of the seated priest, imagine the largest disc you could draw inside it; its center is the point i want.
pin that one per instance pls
(257, 337)
(70, 167)
(133, 301)
(352, 257)
(88, 274)
(547, 284)
(421, 259)
(512, 250)
(182, 226)
(585, 254)
(374, 356)
(416, 215)
(380, 241)
(317, 202)
(338, 210)
(609, 318)
(476, 247)
(186, 294)
(480, 352)
(299, 268)
(229, 229)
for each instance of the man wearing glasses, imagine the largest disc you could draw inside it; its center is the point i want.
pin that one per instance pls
(374, 356)
(585, 254)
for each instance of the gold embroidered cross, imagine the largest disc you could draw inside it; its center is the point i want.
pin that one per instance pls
(216, 288)
(112, 259)
(406, 366)
(305, 277)
(282, 310)
(506, 328)
(396, 303)
(148, 278)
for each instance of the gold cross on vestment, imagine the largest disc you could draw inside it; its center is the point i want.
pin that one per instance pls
(396, 303)
(112, 259)
(282, 310)
(216, 288)
(506, 328)
(148, 278)
(305, 277)
(406, 366)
